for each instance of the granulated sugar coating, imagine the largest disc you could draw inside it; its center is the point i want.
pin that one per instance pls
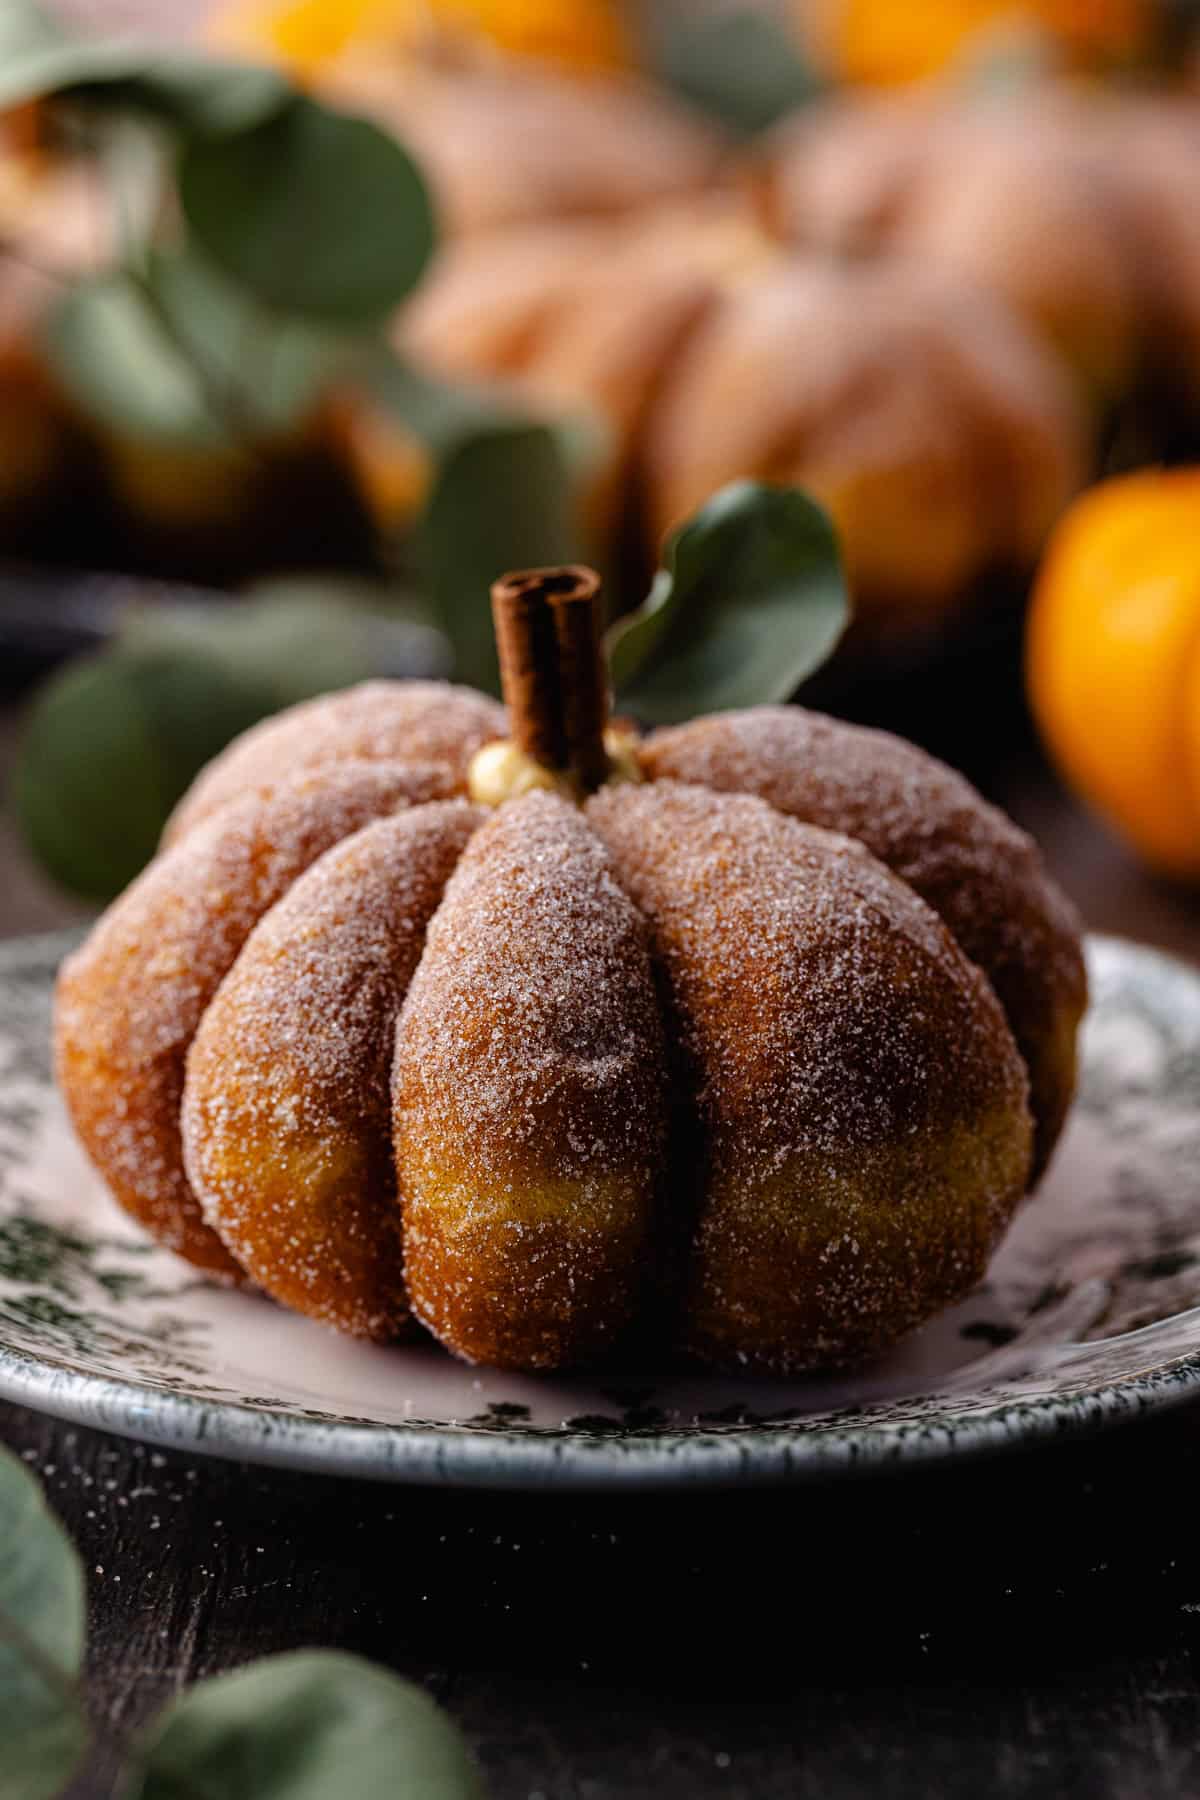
(287, 1117)
(680, 1065)
(858, 1102)
(982, 875)
(130, 1000)
(531, 1097)
(381, 721)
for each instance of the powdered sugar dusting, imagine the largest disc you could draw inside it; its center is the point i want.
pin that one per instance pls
(403, 721)
(860, 1101)
(130, 1000)
(970, 863)
(852, 1126)
(530, 1096)
(287, 1110)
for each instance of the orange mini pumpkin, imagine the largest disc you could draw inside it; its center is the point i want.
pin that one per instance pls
(1114, 660)
(308, 35)
(744, 1038)
(884, 44)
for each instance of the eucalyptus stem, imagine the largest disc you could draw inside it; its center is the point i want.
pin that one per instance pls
(226, 402)
(56, 1680)
(64, 1687)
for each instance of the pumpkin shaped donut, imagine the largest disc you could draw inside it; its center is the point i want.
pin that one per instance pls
(736, 1040)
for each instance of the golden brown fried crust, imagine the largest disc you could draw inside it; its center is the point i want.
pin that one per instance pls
(859, 1100)
(287, 1114)
(130, 999)
(983, 876)
(530, 1097)
(378, 721)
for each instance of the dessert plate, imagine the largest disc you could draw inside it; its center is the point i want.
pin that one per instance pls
(1091, 1312)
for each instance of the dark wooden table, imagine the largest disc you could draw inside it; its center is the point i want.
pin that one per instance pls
(1027, 1626)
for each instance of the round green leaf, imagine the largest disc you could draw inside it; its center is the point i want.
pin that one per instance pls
(54, 67)
(42, 1727)
(296, 636)
(751, 600)
(27, 29)
(504, 498)
(313, 212)
(38, 57)
(111, 353)
(441, 413)
(305, 1727)
(740, 64)
(111, 744)
(204, 97)
(178, 355)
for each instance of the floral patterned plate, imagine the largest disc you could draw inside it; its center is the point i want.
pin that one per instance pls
(1091, 1311)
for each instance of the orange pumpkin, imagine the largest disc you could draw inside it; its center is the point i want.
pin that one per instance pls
(308, 35)
(1114, 660)
(885, 44)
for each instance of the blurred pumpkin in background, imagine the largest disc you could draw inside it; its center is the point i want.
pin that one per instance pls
(941, 436)
(1114, 660)
(177, 491)
(1077, 205)
(501, 141)
(308, 35)
(515, 109)
(885, 43)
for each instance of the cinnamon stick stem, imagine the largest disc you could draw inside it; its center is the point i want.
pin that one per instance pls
(552, 668)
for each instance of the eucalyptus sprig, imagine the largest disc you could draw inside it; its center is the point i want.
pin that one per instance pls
(253, 227)
(114, 739)
(751, 599)
(263, 241)
(304, 1726)
(738, 62)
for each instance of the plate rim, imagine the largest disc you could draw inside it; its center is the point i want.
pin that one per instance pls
(471, 1455)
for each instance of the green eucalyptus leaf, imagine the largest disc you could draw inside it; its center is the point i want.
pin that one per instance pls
(27, 29)
(740, 65)
(34, 64)
(109, 350)
(39, 57)
(751, 600)
(110, 746)
(276, 368)
(440, 413)
(305, 1726)
(42, 1727)
(200, 95)
(299, 636)
(314, 212)
(504, 497)
(113, 741)
(175, 354)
